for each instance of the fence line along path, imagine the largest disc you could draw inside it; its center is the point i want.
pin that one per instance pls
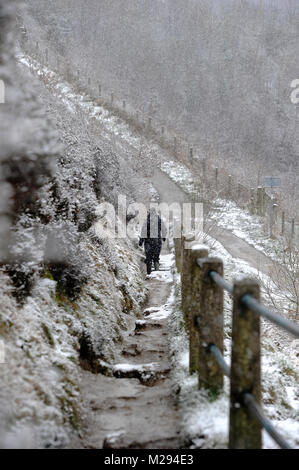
(203, 289)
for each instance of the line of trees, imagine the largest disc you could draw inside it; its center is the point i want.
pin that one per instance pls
(54, 169)
(219, 71)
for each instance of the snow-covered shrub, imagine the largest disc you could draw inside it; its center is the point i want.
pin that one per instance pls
(67, 258)
(63, 290)
(27, 160)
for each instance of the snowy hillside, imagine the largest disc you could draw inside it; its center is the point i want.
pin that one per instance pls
(94, 352)
(208, 425)
(66, 295)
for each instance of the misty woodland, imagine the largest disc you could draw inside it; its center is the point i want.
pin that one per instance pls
(184, 112)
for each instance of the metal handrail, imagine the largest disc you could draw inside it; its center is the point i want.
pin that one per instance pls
(249, 401)
(263, 311)
(259, 415)
(212, 348)
(220, 281)
(256, 307)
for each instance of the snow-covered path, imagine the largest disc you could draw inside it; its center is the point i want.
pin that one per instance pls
(125, 139)
(171, 192)
(135, 407)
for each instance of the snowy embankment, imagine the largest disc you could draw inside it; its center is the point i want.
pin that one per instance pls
(40, 399)
(49, 335)
(111, 127)
(109, 124)
(205, 422)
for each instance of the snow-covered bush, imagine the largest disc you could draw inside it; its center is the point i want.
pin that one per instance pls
(59, 282)
(67, 258)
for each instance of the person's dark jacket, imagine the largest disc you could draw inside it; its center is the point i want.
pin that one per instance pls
(153, 230)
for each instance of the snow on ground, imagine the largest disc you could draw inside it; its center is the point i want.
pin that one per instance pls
(164, 273)
(110, 123)
(239, 221)
(162, 312)
(246, 226)
(39, 379)
(135, 367)
(228, 214)
(111, 128)
(40, 401)
(205, 421)
(180, 174)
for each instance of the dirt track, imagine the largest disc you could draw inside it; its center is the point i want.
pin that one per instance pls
(137, 409)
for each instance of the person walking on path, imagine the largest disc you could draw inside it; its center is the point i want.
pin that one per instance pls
(153, 233)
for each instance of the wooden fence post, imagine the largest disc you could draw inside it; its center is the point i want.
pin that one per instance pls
(185, 274)
(192, 295)
(216, 178)
(68, 73)
(293, 228)
(191, 154)
(178, 253)
(252, 202)
(186, 265)
(245, 431)
(239, 192)
(112, 98)
(100, 90)
(204, 168)
(266, 200)
(207, 314)
(275, 210)
(229, 190)
(260, 205)
(282, 222)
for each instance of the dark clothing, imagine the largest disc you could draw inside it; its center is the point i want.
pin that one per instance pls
(152, 248)
(152, 234)
(153, 227)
